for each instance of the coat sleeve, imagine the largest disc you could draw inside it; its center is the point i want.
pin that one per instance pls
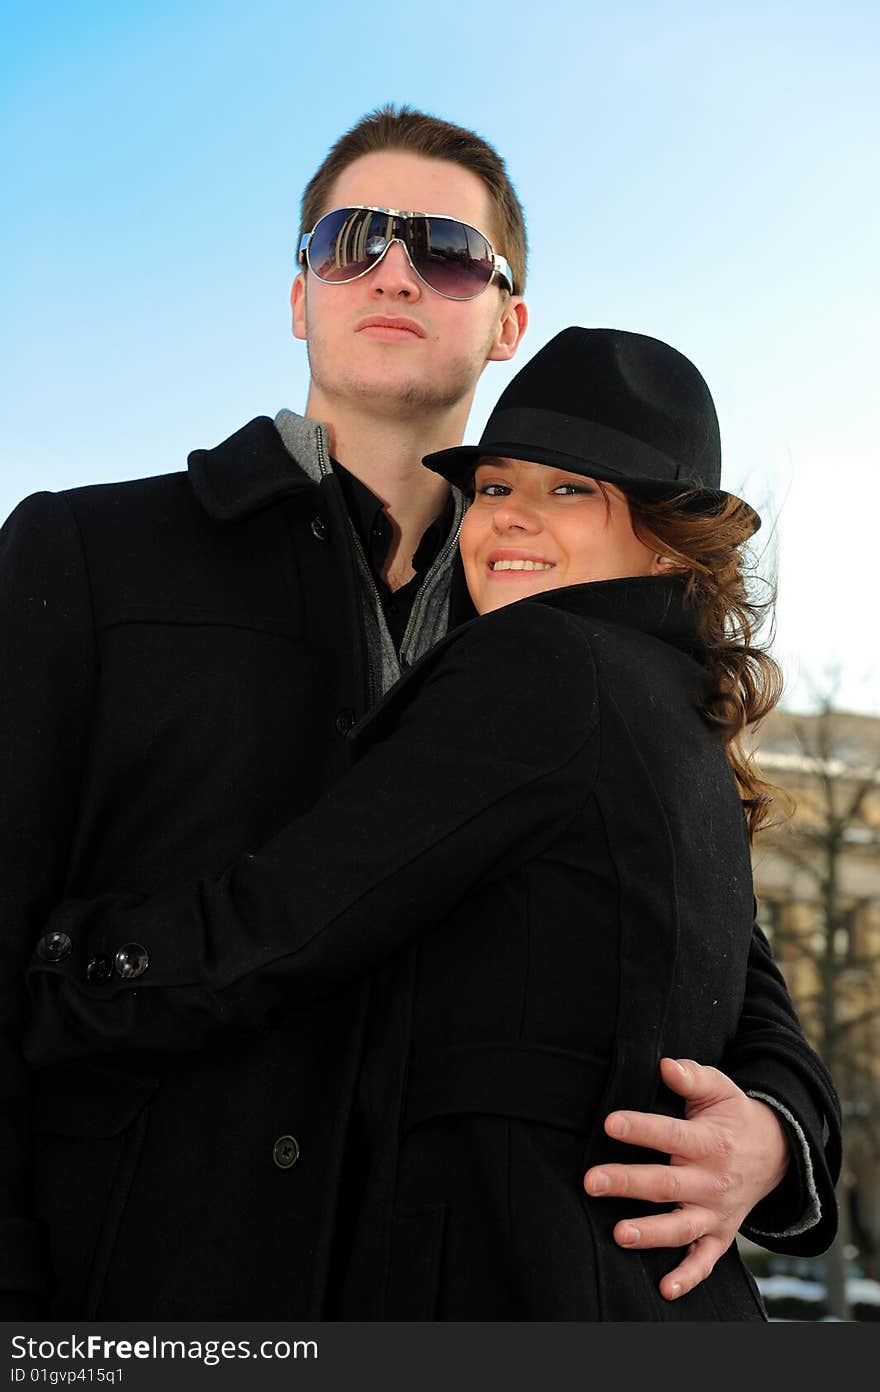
(46, 658)
(481, 771)
(770, 1059)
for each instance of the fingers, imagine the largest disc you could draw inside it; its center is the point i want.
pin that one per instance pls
(700, 1180)
(681, 1228)
(699, 1082)
(697, 1265)
(692, 1140)
(711, 1096)
(657, 1183)
(707, 1202)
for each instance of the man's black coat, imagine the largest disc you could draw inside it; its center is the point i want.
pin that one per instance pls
(184, 664)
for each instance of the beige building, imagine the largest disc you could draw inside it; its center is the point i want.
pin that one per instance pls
(817, 882)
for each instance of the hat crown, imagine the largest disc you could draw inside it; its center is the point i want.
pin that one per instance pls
(611, 405)
(629, 383)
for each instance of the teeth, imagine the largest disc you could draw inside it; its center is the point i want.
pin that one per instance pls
(521, 565)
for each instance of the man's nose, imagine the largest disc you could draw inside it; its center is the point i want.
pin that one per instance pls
(394, 277)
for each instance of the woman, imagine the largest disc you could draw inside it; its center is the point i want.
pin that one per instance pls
(541, 855)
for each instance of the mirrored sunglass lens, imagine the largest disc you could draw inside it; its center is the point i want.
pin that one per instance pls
(453, 258)
(347, 242)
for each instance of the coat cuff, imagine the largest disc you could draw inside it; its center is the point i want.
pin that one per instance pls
(794, 1206)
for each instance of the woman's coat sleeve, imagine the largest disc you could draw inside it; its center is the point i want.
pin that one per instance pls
(480, 772)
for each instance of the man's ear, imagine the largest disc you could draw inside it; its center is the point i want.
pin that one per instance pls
(511, 327)
(298, 306)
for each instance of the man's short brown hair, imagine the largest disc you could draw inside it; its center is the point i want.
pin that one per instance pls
(403, 128)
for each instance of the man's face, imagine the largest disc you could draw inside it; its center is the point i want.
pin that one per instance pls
(434, 355)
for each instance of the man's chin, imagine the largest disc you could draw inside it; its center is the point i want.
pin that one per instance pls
(417, 398)
(403, 394)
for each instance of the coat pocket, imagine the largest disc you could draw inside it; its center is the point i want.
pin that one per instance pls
(414, 1271)
(89, 1126)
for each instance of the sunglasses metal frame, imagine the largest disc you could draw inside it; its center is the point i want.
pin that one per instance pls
(500, 266)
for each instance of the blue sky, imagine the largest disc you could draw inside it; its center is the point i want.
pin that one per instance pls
(703, 173)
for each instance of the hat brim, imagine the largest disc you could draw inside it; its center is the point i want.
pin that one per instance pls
(458, 464)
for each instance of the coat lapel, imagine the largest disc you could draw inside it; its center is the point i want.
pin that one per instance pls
(249, 471)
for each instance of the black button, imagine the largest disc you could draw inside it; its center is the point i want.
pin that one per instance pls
(285, 1152)
(319, 529)
(344, 721)
(131, 960)
(99, 969)
(54, 947)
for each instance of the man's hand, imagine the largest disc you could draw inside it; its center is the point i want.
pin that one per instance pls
(726, 1155)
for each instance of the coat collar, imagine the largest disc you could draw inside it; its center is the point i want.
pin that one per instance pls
(253, 469)
(652, 604)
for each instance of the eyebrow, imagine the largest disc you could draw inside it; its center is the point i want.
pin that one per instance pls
(494, 460)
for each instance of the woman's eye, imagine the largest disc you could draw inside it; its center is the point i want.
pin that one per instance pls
(570, 489)
(493, 490)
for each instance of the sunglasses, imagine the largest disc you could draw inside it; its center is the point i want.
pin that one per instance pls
(450, 256)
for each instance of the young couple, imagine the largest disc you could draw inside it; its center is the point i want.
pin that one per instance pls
(382, 1023)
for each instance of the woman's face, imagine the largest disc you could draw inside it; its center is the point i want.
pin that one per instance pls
(532, 528)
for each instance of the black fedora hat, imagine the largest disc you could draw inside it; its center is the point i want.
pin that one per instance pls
(610, 405)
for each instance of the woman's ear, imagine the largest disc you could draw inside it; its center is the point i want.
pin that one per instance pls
(662, 564)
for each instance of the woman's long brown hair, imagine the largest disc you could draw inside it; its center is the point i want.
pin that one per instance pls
(744, 681)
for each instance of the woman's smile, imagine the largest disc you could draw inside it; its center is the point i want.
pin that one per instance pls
(532, 528)
(513, 563)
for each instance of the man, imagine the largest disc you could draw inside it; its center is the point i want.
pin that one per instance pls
(186, 656)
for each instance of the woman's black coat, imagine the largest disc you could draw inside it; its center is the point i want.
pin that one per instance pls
(540, 860)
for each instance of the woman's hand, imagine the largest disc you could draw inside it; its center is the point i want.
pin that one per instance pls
(727, 1154)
